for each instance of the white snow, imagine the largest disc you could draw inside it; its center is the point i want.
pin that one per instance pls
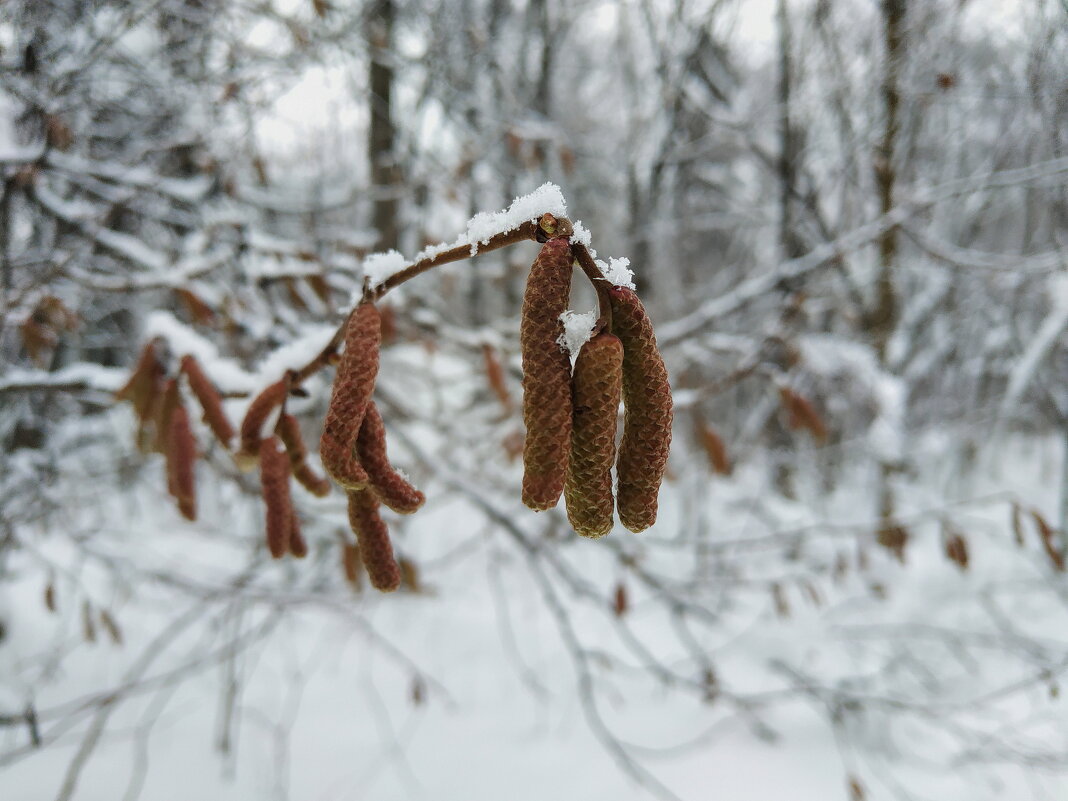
(617, 271)
(225, 373)
(578, 328)
(106, 379)
(1042, 342)
(379, 266)
(546, 199)
(294, 355)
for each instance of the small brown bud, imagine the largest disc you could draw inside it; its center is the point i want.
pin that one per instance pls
(643, 451)
(288, 430)
(1049, 541)
(546, 376)
(495, 377)
(712, 444)
(894, 538)
(210, 401)
(376, 550)
(801, 414)
(274, 479)
(261, 408)
(596, 387)
(353, 385)
(389, 486)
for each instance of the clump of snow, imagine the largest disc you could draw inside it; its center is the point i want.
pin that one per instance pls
(618, 272)
(578, 328)
(183, 340)
(546, 199)
(294, 355)
(105, 379)
(379, 266)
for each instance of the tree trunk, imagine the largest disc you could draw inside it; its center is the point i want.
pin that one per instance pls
(385, 172)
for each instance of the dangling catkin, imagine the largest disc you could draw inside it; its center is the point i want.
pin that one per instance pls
(353, 385)
(274, 479)
(596, 387)
(144, 382)
(389, 486)
(376, 550)
(546, 376)
(297, 545)
(210, 401)
(262, 406)
(288, 430)
(643, 451)
(181, 453)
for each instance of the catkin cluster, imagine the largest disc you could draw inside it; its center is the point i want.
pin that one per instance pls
(570, 418)
(353, 450)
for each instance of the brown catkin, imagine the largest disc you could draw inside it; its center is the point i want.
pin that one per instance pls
(274, 479)
(140, 390)
(165, 400)
(252, 425)
(353, 385)
(210, 401)
(181, 454)
(376, 551)
(595, 393)
(643, 450)
(546, 376)
(297, 544)
(389, 486)
(288, 430)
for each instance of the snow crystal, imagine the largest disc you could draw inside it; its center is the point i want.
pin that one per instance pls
(618, 272)
(581, 236)
(578, 328)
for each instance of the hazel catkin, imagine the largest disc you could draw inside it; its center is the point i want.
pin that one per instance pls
(546, 376)
(180, 451)
(372, 535)
(643, 450)
(389, 486)
(274, 480)
(210, 400)
(353, 385)
(288, 430)
(595, 392)
(261, 408)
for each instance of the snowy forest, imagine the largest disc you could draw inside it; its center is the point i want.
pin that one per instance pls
(847, 221)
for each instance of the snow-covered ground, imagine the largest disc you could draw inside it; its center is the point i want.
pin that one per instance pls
(918, 679)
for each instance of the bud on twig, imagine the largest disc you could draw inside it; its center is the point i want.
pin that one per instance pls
(353, 385)
(596, 388)
(643, 451)
(376, 551)
(546, 376)
(389, 486)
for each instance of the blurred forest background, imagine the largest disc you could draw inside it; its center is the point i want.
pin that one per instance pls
(849, 222)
